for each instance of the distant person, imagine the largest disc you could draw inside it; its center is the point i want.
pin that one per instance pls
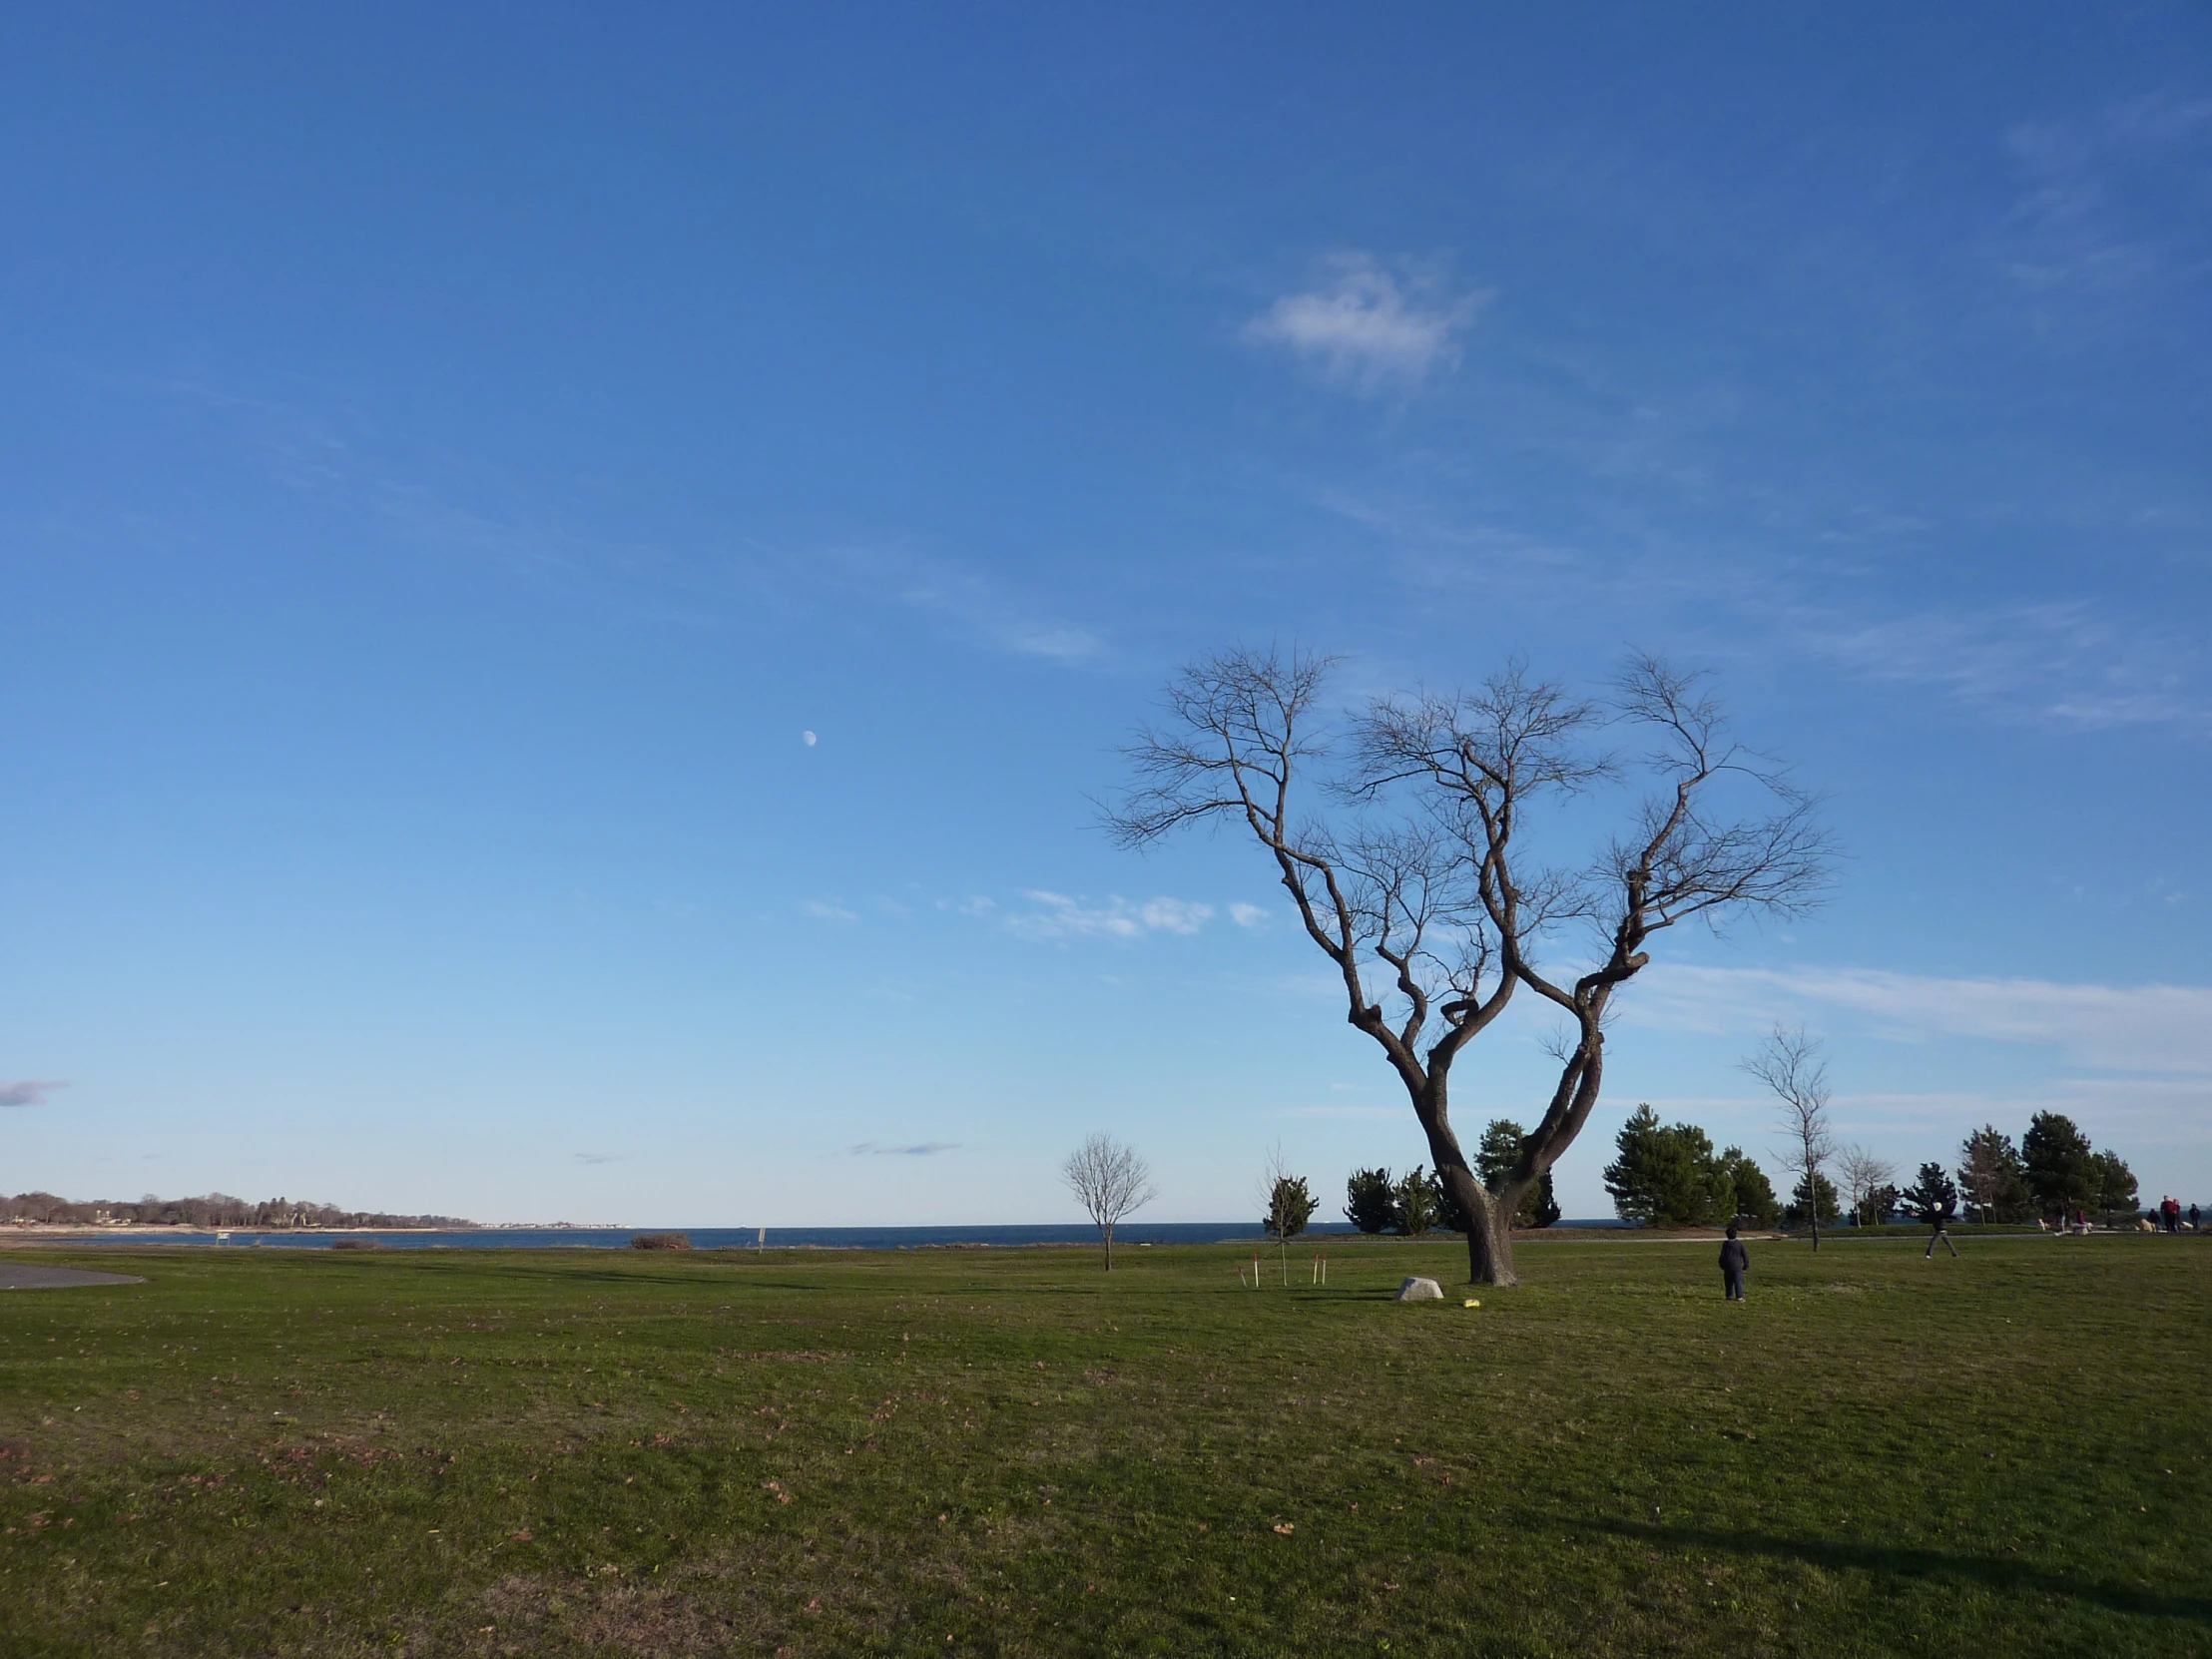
(1942, 1236)
(2192, 1218)
(2172, 1208)
(1735, 1263)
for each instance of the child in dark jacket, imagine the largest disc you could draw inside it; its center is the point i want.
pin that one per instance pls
(1735, 1262)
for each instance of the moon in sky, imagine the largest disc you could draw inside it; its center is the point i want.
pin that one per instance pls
(806, 737)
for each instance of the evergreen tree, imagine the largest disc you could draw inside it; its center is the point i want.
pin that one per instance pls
(1290, 1208)
(1931, 1197)
(1881, 1204)
(1633, 1175)
(2056, 1159)
(1668, 1174)
(2114, 1183)
(1824, 1193)
(1416, 1204)
(1371, 1202)
(1499, 1151)
(1541, 1206)
(1991, 1177)
(1494, 1162)
(1754, 1193)
(1702, 1195)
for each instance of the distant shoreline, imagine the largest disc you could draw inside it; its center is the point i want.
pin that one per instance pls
(1324, 1229)
(725, 1240)
(185, 1229)
(728, 1239)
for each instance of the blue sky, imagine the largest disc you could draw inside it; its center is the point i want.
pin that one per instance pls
(449, 456)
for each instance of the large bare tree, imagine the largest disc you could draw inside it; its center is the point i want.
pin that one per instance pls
(1404, 831)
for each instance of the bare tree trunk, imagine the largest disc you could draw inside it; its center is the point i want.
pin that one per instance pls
(1490, 1248)
(1109, 1248)
(1489, 1228)
(1813, 1188)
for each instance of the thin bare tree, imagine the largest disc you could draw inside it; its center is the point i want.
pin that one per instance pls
(1286, 1206)
(1791, 1066)
(1864, 1175)
(1400, 832)
(1109, 1180)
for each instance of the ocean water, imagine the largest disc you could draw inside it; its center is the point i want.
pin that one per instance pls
(1129, 1233)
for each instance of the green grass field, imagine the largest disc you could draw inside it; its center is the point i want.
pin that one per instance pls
(279, 1452)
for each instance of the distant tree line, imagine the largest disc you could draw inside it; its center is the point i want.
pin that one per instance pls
(214, 1210)
(1669, 1174)
(1417, 1203)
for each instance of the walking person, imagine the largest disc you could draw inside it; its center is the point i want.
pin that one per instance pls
(1735, 1263)
(2192, 1218)
(1941, 1236)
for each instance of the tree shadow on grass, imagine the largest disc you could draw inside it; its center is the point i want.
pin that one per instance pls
(1995, 1572)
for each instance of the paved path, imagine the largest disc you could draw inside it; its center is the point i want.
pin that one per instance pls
(21, 1275)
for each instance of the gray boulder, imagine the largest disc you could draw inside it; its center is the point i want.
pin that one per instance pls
(1420, 1290)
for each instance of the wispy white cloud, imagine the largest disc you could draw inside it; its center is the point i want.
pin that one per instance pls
(1368, 327)
(829, 912)
(2094, 217)
(2055, 662)
(2124, 1028)
(601, 1157)
(1365, 1113)
(921, 1149)
(967, 602)
(595, 546)
(27, 1093)
(325, 449)
(1063, 917)
(1447, 550)
(1248, 915)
